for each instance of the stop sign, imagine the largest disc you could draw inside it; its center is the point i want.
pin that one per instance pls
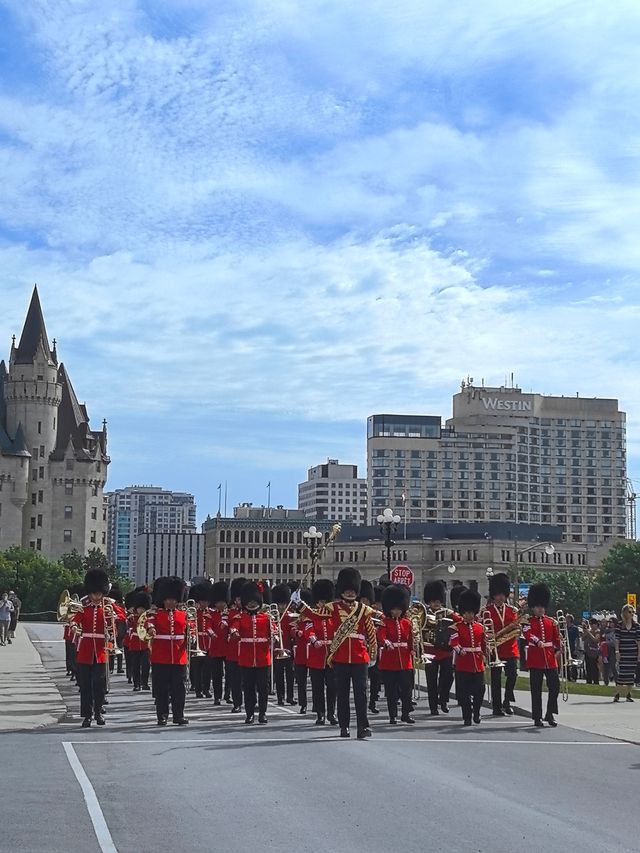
(402, 575)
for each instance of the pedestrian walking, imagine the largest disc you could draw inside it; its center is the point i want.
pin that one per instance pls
(591, 641)
(6, 609)
(627, 651)
(13, 622)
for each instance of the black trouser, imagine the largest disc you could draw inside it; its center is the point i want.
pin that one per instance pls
(127, 663)
(255, 680)
(69, 656)
(234, 683)
(398, 685)
(139, 663)
(553, 688)
(168, 687)
(470, 692)
(439, 675)
(112, 660)
(592, 672)
(511, 672)
(301, 681)
(374, 685)
(214, 673)
(321, 679)
(346, 674)
(283, 677)
(198, 673)
(92, 681)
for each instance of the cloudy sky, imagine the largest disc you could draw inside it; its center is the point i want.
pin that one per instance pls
(255, 223)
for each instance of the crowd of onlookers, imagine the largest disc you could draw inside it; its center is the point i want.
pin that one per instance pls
(10, 606)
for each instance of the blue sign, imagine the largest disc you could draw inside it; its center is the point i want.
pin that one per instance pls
(586, 614)
(523, 590)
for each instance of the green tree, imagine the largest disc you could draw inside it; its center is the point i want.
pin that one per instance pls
(37, 581)
(569, 590)
(618, 575)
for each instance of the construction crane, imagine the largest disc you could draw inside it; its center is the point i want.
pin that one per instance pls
(631, 510)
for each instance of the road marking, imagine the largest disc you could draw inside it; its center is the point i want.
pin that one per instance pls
(336, 739)
(93, 806)
(46, 642)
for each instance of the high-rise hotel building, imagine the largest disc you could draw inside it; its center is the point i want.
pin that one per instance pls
(507, 456)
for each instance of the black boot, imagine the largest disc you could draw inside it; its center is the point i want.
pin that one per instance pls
(86, 723)
(248, 720)
(507, 709)
(538, 724)
(320, 720)
(345, 733)
(549, 719)
(407, 719)
(262, 719)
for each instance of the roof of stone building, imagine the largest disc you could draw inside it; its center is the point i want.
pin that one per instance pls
(33, 332)
(73, 426)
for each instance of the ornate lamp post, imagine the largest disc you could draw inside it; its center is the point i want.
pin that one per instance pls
(388, 525)
(312, 538)
(549, 549)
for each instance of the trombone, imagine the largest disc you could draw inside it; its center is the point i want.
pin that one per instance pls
(418, 616)
(565, 654)
(492, 646)
(191, 610)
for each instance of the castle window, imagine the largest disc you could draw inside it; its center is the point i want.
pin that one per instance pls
(39, 427)
(42, 451)
(94, 512)
(34, 475)
(93, 536)
(67, 536)
(40, 497)
(39, 521)
(32, 545)
(41, 473)
(68, 487)
(33, 522)
(39, 545)
(33, 498)
(69, 464)
(68, 512)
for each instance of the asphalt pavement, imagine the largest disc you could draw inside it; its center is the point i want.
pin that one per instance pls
(218, 784)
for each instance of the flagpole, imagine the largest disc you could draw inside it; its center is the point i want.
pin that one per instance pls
(225, 498)
(219, 497)
(404, 505)
(269, 498)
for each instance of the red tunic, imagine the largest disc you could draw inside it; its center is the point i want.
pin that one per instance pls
(135, 644)
(233, 641)
(469, 639)
(91, 644)
(501, 616)
(255, 635)
(169, 644)
(300, 642)
(287, 628)
(395, 640)
(218, 634)
(320, 631)
(354, 648)
(543, 641)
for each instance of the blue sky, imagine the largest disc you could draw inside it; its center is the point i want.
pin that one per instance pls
(254, 224)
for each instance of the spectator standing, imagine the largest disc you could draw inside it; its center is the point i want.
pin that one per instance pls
(591, 641)
(17, 605)
(6, 609)
(627, 651)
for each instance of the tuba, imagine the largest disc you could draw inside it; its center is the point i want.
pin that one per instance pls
(68, 606)
(142, 628)
(513, 630)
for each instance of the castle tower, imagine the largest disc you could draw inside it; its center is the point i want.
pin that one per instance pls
(44, 431)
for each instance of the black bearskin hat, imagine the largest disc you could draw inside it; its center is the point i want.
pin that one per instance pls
(236, 588)
(539, 595)
(377, 593)
(348, 579)
(140, 598)
(499, 585)
(200, 592)
(219, 592)
(366, 591)
(306, 595)
(434, 591)
(469, 601)
(395, 596)
(250, 592)
(265, 589)
(281, 594)
(322, 590)
(77, 589)
(128, 599)
(168, 587)
(116, 593)
(96, 580)
(384, 580)
(455, 594)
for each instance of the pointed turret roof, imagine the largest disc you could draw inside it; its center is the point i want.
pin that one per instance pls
(33, 332)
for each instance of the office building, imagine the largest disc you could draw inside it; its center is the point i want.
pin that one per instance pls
(334, 492)
(162, 554)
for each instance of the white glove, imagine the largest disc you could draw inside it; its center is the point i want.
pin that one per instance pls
(295, 597)
(388, 644)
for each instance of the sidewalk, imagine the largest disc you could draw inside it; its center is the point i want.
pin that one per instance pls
(28, 697)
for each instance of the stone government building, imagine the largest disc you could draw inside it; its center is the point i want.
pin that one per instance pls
(53, 467)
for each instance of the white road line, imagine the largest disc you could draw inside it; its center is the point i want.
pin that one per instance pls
(46, 642)
(93, 806)
(335, 739)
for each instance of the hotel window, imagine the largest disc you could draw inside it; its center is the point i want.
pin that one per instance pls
(67, 536)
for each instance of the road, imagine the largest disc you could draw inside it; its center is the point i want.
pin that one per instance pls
(501, 786)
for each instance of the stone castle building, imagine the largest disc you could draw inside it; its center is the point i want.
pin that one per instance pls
(53, 467)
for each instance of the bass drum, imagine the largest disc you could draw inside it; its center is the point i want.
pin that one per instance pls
(443, 633)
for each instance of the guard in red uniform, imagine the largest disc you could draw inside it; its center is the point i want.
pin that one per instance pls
(468, 641)
(301, 651)
(352, 648)
(218, 636)
(439, 673)
(254, 631)
(199, 665)
(91, 654)
(138, 649)
(319, 632)
(233, 675)
(395, 641)
(115, 593)
(503, 614)
(70, 637)
(542, 637)
(170, 632)
(283, 648)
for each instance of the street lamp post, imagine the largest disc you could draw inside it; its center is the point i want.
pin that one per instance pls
(388, 525)
(548, 549)
(312, 538)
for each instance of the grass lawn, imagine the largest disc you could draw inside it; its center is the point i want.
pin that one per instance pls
(584, 689)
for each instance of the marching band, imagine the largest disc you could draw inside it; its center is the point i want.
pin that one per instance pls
(347, 639)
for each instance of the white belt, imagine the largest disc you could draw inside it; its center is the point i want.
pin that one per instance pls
(94, 636)
(254, 640)
(471, 649)
(398, 645)
(178, 637)
(356, 637)
(323, 642)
